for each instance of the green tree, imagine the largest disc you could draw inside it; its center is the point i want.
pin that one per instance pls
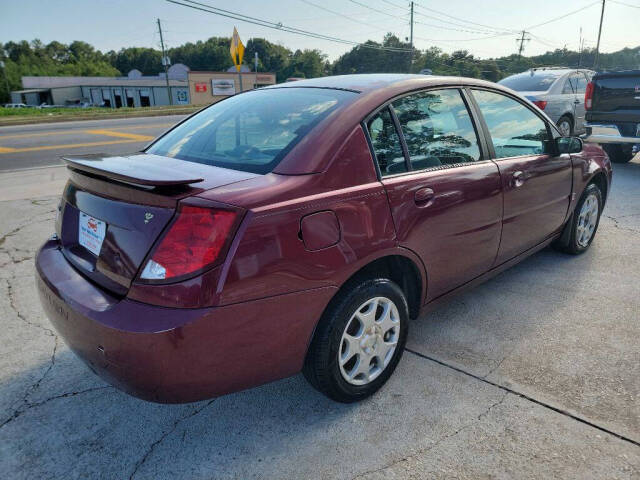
(271, 57)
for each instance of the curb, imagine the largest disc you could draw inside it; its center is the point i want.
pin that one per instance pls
(36, 119)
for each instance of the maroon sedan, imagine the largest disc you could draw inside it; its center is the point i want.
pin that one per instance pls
(300, 227)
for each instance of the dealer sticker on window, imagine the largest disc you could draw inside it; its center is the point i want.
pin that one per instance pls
(91, 233)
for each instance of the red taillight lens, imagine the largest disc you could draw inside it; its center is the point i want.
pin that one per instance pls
(588, 96)
(194, 241)
(541, 104)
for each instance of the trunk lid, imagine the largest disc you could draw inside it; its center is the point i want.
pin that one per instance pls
(115, 208)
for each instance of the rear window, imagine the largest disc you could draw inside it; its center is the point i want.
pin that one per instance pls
(531, 81)
(251, 132)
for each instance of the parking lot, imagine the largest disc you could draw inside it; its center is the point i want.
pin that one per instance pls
(534, 374)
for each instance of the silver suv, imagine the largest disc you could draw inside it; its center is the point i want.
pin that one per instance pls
(559, 91)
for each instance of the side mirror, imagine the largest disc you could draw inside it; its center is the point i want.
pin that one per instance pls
(569, 144)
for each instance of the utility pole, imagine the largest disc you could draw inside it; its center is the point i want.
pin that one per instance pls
(595, 61)
(165, 62)
(580, 46)
(522, 39)
(411, 40)
(6, 80)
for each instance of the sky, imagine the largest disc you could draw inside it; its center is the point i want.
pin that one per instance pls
(114, 24)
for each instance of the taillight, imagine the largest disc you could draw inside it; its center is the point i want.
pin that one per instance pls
(588, 96)
(541, 104)
(195, 240)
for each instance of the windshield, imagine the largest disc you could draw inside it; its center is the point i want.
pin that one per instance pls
(531, 81)
(251, 132)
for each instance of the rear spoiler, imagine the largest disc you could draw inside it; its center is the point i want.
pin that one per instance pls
(142, 169)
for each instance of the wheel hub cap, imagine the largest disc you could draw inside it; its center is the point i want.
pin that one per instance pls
(587, 220)
(369, 341)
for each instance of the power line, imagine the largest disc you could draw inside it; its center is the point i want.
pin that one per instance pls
(625, 4)
(492, 28)
(453, 29)
(461, 27)
(555, 19)
(340, 14)
(420, 22)
(278, 26)
(455, 40)
(375, 9)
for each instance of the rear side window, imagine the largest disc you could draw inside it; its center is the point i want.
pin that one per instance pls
(251, 132)
(570, 84)
(515, 130)
(582, 83)
(386, 143)
(437, 128)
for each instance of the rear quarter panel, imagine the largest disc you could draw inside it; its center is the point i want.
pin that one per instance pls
(271, 257)
(559, 105)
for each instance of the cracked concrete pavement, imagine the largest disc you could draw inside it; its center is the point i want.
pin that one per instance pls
(535, 374)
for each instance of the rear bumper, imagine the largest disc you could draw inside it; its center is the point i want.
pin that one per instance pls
(599, 133)
(174, 355)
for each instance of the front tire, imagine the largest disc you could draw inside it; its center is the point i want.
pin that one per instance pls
(619, 153)
(584, 222)
(359, 341)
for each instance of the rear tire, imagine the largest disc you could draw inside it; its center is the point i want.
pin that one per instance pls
(358, 341)
(619, 153)
(565, 125)
(583, 224)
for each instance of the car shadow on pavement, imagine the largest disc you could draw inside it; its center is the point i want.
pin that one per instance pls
(478, 329)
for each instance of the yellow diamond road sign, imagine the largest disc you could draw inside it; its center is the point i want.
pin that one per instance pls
(237, 49)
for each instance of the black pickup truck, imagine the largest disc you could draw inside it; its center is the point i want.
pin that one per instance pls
(612, 101)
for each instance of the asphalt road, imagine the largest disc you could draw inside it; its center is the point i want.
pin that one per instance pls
(39, 145)
(534, 374)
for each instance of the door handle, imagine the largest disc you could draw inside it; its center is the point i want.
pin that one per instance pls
(518, 178)
(423, 196)
(577, 102)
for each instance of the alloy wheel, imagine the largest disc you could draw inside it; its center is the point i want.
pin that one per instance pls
(369, 341)
(565, 128)
(587, 220)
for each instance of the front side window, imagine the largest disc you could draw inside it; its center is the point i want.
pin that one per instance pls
(437, 128)
(515, 130)
(386, 143)
(251, 132)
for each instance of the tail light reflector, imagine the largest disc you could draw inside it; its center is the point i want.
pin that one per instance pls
(541, 104)
(194, 241)
(588, 96)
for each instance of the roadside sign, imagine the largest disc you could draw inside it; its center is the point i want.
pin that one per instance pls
(223, 87)
(237, 49)
(201, 87)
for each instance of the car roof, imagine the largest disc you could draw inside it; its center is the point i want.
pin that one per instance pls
(368, 82)
(372, 91)
(551, 71)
